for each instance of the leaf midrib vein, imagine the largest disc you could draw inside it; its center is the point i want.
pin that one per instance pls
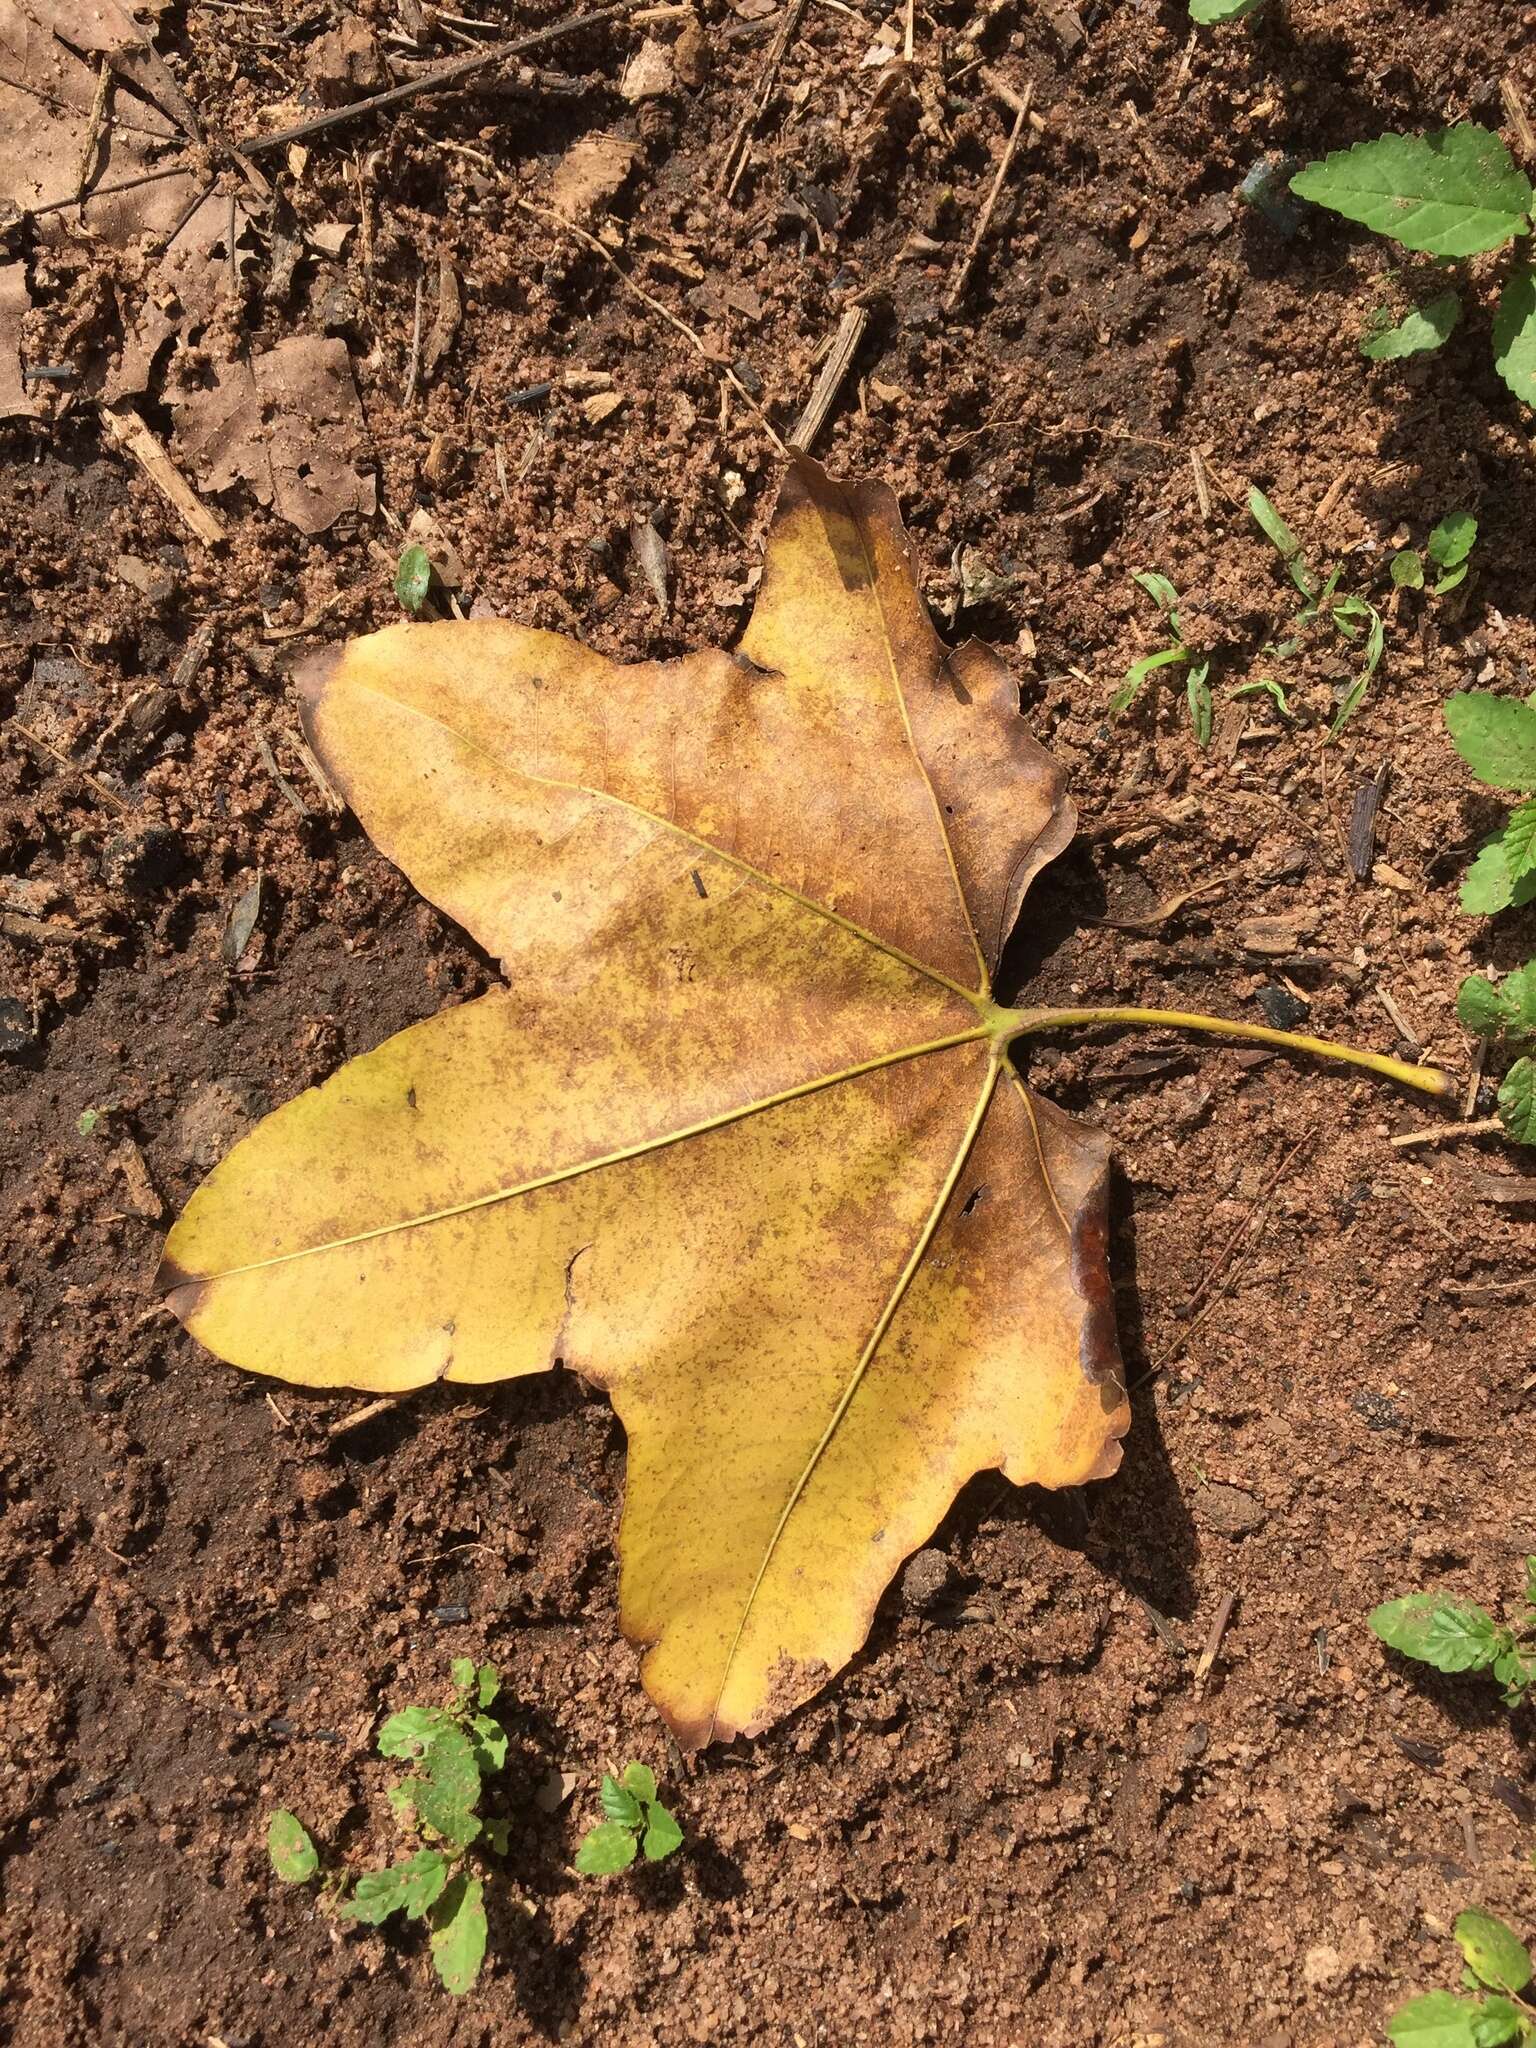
(616, 1158)
(877, 1336)
(921, 765)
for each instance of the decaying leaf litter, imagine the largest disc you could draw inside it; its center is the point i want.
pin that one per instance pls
(1091, 629)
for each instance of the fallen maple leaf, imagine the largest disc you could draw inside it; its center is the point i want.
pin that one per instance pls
(741, 1140)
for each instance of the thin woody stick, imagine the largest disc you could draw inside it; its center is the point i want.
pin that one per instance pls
(984, 221)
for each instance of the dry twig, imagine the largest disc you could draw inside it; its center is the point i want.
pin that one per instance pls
(1213, 1640)
(97, 788)
(1447, 1134)
(737, 150)
(131, 435)
(984, 220)
(94, 125)
(824, 392)
(448, 73)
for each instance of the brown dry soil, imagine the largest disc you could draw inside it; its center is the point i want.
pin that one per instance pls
(1019, 1818)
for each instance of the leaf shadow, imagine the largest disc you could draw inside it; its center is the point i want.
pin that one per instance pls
(1469, 1699)
(1135, 1526)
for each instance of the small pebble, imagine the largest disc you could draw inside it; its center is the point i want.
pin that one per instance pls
(926, 1579)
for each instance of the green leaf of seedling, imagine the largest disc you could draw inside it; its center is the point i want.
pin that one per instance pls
(1375, 641)
(445, 1798)
(487, 1685)
(1502, 2021)
(607, 1848)
(1208, 12)
(640, 1779)
(1137, 674)
(413, 579)
(662, 1833)
(1520, 839)
(1495, 1955)
(1408, 569)
(1349, 614)
(1513, 1671)
(376, 1895)
(1495, 736)
(1451, 542)
(293, 1854)
(408, 1733)
(1197, 692)
(1449, 580)
(1283, 540)
(490, 1740)
(462, 1672)
(1454, 193)
(1480, 1006)
(1426, 327)
(1270, 688)
(1329, 587)
(1439, 2019)
(401, 1802)
(1514, 333)
(1517, 1102)
(1496, 880)
(1488, 886)
(458, 1934)
(1161, 592)
(421, 1881)
(1461, 1639)
(619, 1804)
(1448, 1634)
(496, 1833)
(1349, 704)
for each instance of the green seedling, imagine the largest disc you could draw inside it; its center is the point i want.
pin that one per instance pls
(413, 580)
(1353, 618)
(637, 1822)
(1459, 1636)
(456, 1748)
(1493, 2008)
(1507, 1010)
(1426, 327)
(1449, 549)
(1267, 686)
(1197, 688)
(294, 1856)
(1209, 12)
(1453, 194)
(1496, 737)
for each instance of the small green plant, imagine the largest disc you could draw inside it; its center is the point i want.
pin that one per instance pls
(1507, 1010)
(1452, 194)
(413, 579)
(1459, 1636)
(1350, 615)
(1426, 327)
(456, 1748)
(1497, 1975)
(637, 1820)
(1449, 549)
(294, 1856)
(1197, 689)
(1496, 737)
(1206, 12)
